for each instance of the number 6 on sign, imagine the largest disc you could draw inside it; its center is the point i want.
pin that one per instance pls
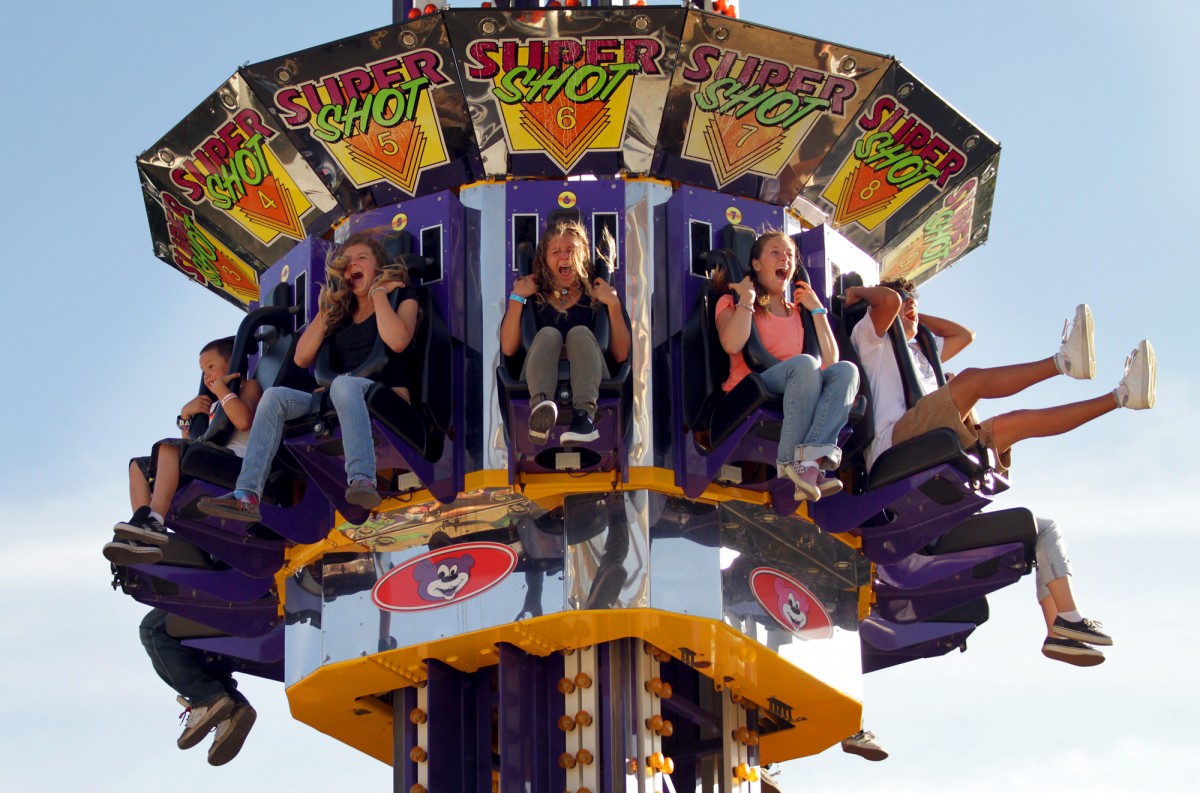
(565, 117)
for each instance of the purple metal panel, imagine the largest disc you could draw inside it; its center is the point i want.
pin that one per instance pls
(948, 581)
(529, 743)
(228, 585)
(264, 649)
(404, 739)
(460, 756)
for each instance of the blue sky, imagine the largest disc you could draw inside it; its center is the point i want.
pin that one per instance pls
(1093, 103)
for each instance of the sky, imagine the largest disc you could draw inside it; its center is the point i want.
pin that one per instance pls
(1096, 191)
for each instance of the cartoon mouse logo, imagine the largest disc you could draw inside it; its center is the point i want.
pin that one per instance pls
(791, 604)
(442, 581)
(793, 607)
(444, 577)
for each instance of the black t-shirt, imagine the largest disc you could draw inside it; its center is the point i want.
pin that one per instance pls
(547, 316)
(353, 343)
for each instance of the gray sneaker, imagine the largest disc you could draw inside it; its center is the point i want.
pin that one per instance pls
(863, 744)
(199, 719)
(362, 493)
(1136, 389)
(231, 734)
(1077, 355)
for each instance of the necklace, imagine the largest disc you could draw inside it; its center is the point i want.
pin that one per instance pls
(564, 293)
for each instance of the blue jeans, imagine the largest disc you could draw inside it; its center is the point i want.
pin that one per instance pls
(280, 405)
(184, 669)
(1051, 551)
(816, 404)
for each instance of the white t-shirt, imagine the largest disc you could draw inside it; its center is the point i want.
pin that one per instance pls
(887, 389)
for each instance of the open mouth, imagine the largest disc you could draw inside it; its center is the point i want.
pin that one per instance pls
(355, 278)
(781, 273)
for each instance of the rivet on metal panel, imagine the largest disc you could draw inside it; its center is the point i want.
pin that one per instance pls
(641, 23)
(488, 26)
(408, 38)
(971, 142)
(720, 34)
(904, 90)
(847, 65)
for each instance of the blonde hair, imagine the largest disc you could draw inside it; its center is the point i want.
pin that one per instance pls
(720, 276)
(337, 296)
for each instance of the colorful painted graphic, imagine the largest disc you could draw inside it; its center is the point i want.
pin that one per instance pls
(445, 576)
(566, 96)
(235, 171)
(203, 258)
(791, 604)
(750, 113)
(895, 157)
(944, 237)
(377, 120)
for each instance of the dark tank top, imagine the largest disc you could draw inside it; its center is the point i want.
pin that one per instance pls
(352, 346)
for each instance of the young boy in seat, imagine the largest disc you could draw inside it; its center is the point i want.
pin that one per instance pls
(140, 539)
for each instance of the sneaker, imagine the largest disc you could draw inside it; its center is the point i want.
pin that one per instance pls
(238, 505)
(1136, 389)
(1084, 630)
(583, 430)
(1071, 652)
(142, 528)
(804, 477)
(129, 553)
(863, 744)
(231, 734)
(829, 486)
(362, 493)
(541, 419)
(199, 719)
(1077, 355)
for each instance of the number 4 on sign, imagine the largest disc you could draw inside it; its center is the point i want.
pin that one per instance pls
(266, 200)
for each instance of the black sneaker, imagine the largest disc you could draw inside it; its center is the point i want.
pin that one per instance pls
(583, 430)
(1083, 630)
(541, 420)
(129, 553)
(142, 528)
(1071, 652)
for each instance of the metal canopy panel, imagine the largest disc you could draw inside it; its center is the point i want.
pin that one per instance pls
(951, 227)
(753, 110)
(183, 241)
(557, 92)
(379, 116)
(906, 151)
(230, 162)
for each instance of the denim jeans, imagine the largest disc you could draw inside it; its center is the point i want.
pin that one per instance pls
(280, 405)
(816, 404)
(1051, 551)
(184, 669)
(587, 366)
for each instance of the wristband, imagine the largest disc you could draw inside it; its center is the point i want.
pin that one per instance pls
(516, 297)
(228, 397)
(181, 422)
(819, 310)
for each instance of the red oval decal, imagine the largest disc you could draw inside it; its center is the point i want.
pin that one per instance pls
(799, 611)
(445, 576)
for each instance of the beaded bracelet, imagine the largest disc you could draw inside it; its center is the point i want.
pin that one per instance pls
(228, 397)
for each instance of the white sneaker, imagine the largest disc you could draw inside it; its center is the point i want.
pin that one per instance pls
(1077, 355)
(1136, 389)
(541, 421)
(864, 744)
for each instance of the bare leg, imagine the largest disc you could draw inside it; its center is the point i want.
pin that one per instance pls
(1061, 599)
(166, 479)
(139, 488)
(1008, 428)
(971, 385)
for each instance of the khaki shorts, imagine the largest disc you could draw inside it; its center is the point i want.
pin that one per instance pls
(937, 411)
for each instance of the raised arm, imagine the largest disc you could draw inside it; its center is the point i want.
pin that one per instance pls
(311, 338)
(510, 326)
(805, 297)
(884, 305)
(955, 337)
(396, 328)
(618, 334)
(240, 407)
(733, 327)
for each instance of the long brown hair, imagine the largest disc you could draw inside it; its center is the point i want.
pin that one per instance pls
(337, 295)
(721, 278)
